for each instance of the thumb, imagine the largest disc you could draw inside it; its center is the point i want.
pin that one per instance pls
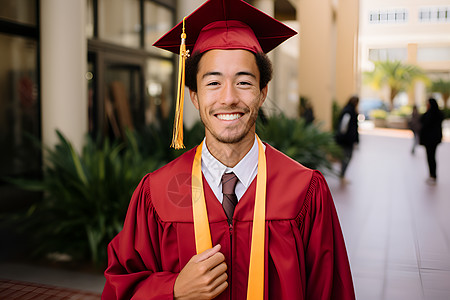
(207, 253)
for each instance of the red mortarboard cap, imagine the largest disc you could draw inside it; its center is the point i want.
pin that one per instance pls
(227, 24)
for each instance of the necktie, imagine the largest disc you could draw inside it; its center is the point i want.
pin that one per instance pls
(229, 202)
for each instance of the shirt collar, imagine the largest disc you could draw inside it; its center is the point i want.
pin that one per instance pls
(243, 170)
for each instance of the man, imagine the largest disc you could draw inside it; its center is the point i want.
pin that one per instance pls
(232, 218)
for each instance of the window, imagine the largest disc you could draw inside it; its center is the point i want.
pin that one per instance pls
(388, 16)
(388, 54)
(20, 120)
(20, 11)
(132, 81)
(433, 54)
(119, 22)
(90, 6)
(159, 86)
(158, 20)
(434, 14)
(19, 107)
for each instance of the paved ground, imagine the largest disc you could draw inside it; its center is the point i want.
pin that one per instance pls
(397, 228)
(12, 289)
(24, 281)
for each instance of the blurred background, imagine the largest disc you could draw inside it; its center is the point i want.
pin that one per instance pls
(86, 107)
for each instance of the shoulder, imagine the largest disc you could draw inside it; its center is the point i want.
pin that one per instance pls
(170, 188)
(282, 166)
(174, 170)
(288, 183)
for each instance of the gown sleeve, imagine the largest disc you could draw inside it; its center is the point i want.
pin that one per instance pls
(134, 264)
(327, 266)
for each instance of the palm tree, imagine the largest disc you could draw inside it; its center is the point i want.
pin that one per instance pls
(396, 75)
(443, 87)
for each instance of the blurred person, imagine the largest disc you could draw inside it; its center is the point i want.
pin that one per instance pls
(431, 135)
(232, 218)
(347, 134)
(415, 125)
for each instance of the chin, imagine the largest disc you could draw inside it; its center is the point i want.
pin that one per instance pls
(231, 138)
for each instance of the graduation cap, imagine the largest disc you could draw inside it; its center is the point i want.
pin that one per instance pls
(219, 24)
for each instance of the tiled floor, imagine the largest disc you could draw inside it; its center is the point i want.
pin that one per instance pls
(52, 283)
(397, 228)
(11, 289)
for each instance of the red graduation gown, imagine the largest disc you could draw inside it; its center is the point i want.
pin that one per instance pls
(305, 251)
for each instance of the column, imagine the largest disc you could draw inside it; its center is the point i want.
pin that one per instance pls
(347, 21)
(316, 69)
(63, 69)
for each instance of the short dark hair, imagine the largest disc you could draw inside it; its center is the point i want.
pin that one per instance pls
(262, 61)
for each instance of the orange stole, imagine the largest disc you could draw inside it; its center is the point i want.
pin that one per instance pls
(255, 288)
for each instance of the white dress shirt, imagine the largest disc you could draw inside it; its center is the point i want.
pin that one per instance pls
(245, 171)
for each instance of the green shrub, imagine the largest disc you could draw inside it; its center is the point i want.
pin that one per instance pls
(446, 112)
(336, 112)
(85, 197)
(306, 144)
(155, 139)
(403, 111)
(378, 114)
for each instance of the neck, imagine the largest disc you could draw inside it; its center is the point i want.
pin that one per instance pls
(230, 154)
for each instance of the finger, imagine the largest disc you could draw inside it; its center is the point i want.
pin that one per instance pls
(207, 253)
(219, 279)
(213, 261)
(219, 270)
(217, 291)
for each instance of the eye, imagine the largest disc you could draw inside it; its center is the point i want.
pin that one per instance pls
(244, 83)
(212, 83)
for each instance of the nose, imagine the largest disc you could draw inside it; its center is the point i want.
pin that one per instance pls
(229, 95)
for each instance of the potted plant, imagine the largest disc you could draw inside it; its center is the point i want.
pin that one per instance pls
(379, 117)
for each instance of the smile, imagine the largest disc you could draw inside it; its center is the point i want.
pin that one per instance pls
(228, 117)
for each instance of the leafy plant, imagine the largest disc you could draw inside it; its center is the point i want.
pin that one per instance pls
(446, 112)
(155, 139)
(336, 111)
(85, 197)
(306, 144)
(396, 75)
(443, 87)
(378, 114)
(403, 111)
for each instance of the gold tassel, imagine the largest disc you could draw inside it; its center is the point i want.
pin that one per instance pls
(177, 137)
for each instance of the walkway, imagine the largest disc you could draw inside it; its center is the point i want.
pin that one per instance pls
(23, 281)
(397, 228)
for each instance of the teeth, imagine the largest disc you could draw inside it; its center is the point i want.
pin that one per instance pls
(228, 117)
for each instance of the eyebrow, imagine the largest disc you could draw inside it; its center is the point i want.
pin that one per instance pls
(211, 74)
(241, 73)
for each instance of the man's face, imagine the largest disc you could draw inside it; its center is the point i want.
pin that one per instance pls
(228, 96)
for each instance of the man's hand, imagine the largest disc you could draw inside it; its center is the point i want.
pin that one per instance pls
(203, 277)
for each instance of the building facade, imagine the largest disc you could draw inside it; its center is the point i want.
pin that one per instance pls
(412, 31)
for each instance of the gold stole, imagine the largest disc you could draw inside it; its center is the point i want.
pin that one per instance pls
(255, 288)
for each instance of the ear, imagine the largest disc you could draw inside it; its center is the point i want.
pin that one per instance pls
(264, 92)
(194, 98)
